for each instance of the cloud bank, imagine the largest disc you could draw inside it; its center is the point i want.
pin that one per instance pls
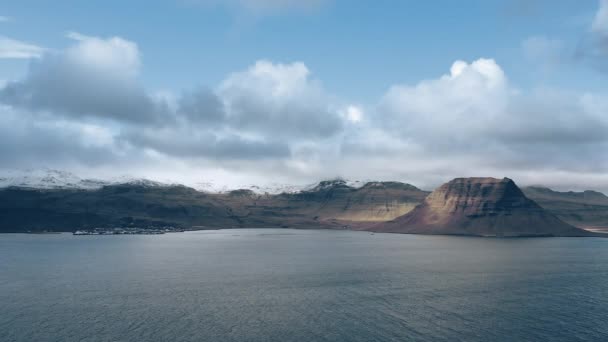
(85, 108)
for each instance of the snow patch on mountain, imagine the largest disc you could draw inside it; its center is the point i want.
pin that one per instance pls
(272, 189)
(58, 179)
(46, 179)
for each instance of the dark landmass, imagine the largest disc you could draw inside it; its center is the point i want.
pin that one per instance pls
(474, 206)
(128, 231)
(331, 204)
(586, 209)
(480, 207)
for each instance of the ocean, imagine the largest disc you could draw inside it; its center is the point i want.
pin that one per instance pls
(301, 285)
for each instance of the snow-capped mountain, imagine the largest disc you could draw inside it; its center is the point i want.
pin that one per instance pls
(57, 179)
(47, 179)
(327, 184)
(273, 189)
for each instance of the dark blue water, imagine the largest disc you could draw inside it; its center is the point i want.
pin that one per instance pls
(296, 285)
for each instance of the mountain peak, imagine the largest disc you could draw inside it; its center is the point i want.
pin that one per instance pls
(390, 185)
(331, 184)
(480, 206)
(47, 179)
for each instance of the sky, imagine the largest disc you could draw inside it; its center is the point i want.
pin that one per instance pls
(286, 91)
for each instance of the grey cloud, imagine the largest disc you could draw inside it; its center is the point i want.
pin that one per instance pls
(550, 118)
(95, 80)
(26, 143)
(267, 100)
(192, 144)
(280, 100)
(294, 120)
(58, 85)
(274, 119)
(202, 106)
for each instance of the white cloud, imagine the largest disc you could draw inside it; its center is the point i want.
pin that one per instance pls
(352, 113)
(472, 119)
(275, 121)
(280, 100)
(114, 55)
(97, 78)
(276, 80)
(470, 95)
(5, 19)
(11, 48)
(270, 111)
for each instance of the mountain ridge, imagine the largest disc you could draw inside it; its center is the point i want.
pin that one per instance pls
(480, 206)
(333, 203)
(329, 205)
(586, 209)
(60, 179)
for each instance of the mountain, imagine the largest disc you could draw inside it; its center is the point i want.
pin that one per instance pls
(272, 189)
(129, 204)
(587, 209)
(47, 179)
(59, 201)
(57, 179)
(372, 202)
(481, 207)
(329, 204)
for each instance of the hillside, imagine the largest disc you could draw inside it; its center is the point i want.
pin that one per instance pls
(587, 209)
(330, 204)
(60, 205)
(481, 207)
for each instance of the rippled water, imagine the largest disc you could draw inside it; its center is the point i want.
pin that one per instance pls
(297, 285)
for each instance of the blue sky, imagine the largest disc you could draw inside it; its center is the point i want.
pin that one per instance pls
(357, 48)
(246, 90)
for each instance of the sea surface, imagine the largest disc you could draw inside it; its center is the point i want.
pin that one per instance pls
(301, 285)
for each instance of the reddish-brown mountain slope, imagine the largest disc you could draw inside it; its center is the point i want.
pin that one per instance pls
(482, 207)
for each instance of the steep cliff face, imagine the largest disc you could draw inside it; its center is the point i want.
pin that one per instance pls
(483, 207)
